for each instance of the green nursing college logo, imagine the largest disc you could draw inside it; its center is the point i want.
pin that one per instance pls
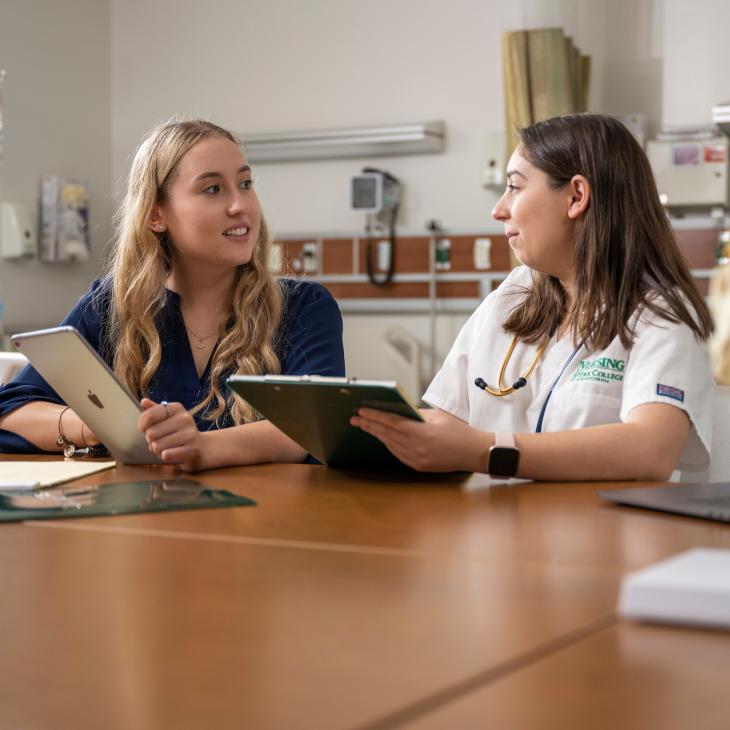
(600, 370)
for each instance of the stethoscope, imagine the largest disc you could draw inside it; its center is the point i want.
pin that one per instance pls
(502, 390)
(521, 382)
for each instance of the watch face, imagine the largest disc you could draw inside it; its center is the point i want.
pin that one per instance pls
(503, 461)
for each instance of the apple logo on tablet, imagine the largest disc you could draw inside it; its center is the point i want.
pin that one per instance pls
(95, 399)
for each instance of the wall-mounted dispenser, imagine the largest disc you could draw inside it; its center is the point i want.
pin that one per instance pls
(17, 232)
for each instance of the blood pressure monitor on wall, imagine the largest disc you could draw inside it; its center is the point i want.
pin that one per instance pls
(377, 194)
(374, 191)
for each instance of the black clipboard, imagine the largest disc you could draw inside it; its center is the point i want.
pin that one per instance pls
(315, 412)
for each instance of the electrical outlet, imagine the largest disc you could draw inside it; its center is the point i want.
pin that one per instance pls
(310, 258)
(482, 253)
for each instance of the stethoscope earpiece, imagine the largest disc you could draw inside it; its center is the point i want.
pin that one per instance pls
(483, 385)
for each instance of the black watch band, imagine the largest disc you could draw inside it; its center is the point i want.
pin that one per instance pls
(504, 456)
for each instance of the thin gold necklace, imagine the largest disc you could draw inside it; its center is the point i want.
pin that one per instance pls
(201, 340)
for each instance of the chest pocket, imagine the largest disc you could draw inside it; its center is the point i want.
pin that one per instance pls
(579, 407)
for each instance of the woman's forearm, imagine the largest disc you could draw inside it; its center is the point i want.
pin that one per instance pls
(37, 422)
(646, 447)
(251, 443)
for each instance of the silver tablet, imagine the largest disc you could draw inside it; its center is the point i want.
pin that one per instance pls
(76, 372)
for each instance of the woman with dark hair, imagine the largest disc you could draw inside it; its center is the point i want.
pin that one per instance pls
(589, 361)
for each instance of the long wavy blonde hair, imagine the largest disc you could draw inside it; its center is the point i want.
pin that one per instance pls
(141, 263)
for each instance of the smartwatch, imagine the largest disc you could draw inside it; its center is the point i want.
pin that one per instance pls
(504, 456)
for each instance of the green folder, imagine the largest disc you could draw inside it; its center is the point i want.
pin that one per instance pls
(315, 412)
(119, 498)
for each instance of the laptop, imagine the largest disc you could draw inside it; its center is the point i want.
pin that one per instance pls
(710, 501)
(315, 412)
(86, 383)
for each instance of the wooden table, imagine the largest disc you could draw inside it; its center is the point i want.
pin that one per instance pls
(342, 601)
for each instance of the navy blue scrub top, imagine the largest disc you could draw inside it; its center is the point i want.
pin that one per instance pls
(309, 342)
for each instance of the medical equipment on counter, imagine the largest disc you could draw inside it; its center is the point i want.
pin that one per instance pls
(690, 164)
(690, 171)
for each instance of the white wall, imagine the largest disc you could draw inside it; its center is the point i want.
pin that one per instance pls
(695, 51)
(281, 65)
(634, 63)
(56, 113)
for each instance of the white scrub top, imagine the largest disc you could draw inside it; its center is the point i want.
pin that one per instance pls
(666, 364)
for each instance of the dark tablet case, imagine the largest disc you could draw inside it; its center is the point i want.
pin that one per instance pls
(316, 414)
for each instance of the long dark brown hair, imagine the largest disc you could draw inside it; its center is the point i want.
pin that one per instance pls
(626, 256)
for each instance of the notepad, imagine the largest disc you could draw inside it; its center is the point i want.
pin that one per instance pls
(36, 474)
(690, 588)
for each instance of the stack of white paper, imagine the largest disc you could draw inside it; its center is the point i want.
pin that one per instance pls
(35, 474)
(690, 588)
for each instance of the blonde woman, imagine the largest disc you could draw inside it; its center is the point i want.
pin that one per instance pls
(187, 301)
